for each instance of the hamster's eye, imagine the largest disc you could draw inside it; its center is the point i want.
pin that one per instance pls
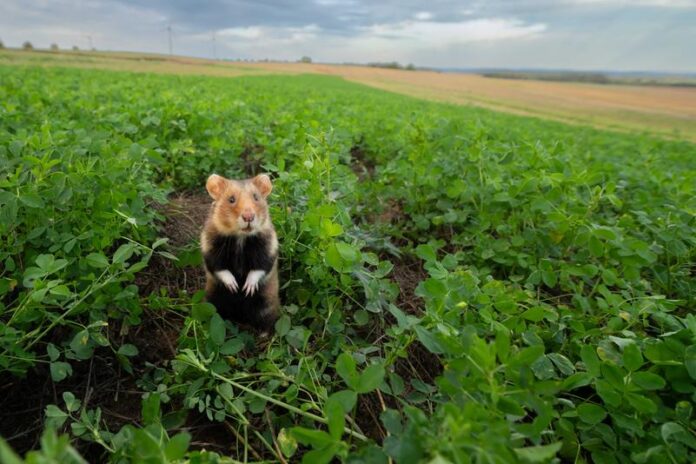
(256, 197)
(232, 199)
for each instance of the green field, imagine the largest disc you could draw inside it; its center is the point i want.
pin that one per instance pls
(458, 285)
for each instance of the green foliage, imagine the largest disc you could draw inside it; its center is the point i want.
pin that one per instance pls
(551, 267)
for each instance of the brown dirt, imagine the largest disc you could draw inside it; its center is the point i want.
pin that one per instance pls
(408, 272)
(184, 216)
(361, 164)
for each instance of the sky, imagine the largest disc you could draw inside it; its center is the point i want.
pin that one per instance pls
(620, 35)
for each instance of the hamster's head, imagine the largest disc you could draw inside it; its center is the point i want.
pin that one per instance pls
(240, 206)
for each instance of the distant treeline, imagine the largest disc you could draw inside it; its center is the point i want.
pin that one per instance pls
(392, 65)
(593, 78)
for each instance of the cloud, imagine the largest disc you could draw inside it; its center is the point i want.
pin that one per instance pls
(636, 3)
(444, 33)
(404, 41)
(270, 36)
(578, 34)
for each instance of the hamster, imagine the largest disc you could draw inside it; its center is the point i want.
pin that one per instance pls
(240, 252)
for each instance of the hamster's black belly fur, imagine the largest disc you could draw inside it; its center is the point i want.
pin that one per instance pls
(240, 255)
(237, 306)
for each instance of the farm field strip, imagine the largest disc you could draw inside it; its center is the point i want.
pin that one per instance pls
(458, 285)
(661, 110)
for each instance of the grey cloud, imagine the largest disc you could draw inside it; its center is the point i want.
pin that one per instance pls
(581, 34)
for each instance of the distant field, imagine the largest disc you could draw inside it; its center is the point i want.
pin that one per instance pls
(675, 80)
(666, 111)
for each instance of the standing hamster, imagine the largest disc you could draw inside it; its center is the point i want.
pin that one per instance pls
(240, 252)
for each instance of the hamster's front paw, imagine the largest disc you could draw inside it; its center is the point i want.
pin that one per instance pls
(252, 282)
(227, 278)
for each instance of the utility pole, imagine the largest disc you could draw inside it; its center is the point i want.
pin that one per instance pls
(169, 32)
(89, 38)
(214, 49)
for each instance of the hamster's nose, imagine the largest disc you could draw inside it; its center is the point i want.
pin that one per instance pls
(248, 217)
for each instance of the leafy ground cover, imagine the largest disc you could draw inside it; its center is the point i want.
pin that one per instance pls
(458, 285)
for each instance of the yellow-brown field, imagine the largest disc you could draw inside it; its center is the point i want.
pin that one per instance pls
(667, 111)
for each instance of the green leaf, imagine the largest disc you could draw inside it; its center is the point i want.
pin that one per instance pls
(97, 260)
(361, 317)
(541, 453)
(543, 368)
(346, 398)
(232, 346)
(32, 200)
(632, 359)
(128, 350)
(7, 454)
(151, 409)
(320, 456)
(690, 361)
(604, 233)
(313, 438)
(217, 329)
(591, 413)
(596, 247)
(641, 403)
(202, 311)
(225, 390)
(562, 363)
(426, 252)
(81, 346)
(331, 229)
(55, 417)
(124, 252)
(392, 421)
(177, 446)
(283, 325)
(349, 253)
(428, 340)
(510, 406)
(370, 379)
(60, 370)
(527, 356)
(672, 432)
(335, 418)
(577, 380)
(591, 360)
(548, 275)
(52, 351)
(345, 367)
(534, 314)
(60, 290)
(608, 394)
(333, 258)
(648, 380)
(72, 404)
(287, 443)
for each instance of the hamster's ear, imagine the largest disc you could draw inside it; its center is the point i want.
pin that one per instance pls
(215, 186)
(263, 183)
